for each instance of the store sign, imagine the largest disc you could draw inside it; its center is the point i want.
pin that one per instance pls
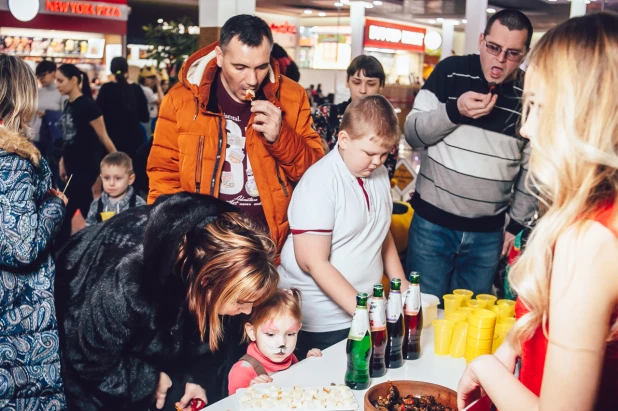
(285, 28)
(26, 10)
(84, 9)
(381, 34)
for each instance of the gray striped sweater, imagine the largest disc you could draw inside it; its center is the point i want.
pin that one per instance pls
(472, 171)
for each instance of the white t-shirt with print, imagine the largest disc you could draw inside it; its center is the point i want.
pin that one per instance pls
(330, 200)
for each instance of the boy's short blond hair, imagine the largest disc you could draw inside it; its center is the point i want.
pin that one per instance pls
(372, 115)
(119, 159)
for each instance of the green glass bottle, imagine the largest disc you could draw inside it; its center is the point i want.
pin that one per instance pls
(358, 348)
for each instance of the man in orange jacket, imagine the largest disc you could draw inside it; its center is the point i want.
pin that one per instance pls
(236, 129)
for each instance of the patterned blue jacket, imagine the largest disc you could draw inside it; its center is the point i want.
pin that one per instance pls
(29, 219)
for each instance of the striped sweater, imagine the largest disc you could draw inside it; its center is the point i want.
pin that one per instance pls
(472, 171)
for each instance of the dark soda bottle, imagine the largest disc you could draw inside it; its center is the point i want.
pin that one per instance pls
(394, 326)
(358, 348)
(413, 319)
(377, 323)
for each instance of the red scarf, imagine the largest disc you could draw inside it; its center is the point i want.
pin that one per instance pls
(270, 366)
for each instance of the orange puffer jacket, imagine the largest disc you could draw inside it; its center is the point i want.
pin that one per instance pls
(190, 140)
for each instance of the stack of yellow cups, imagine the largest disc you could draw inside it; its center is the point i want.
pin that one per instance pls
(508, 306)
(480, 337)
(502, 329)
(442, 335)
(466, 294)
(486, 300)
(451, 303)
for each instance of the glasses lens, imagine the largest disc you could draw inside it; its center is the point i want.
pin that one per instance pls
(493, 49)
(513, 55)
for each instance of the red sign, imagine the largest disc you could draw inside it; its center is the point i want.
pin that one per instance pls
(285, 28)
(386, 35)
(82, 9)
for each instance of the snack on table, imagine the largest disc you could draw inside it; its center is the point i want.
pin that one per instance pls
(250, 95)
(394, 402)
(297, 398)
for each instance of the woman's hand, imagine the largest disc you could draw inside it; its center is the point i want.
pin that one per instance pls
(469, 388)
(261, 379)
(62, 170)
(314, 352)
(165, 383)
(191, 391)
(60, 195)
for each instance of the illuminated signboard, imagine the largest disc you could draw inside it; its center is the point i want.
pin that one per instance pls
(381, 34)
(84, 9)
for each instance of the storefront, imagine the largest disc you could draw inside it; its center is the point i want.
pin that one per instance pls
(85, 32)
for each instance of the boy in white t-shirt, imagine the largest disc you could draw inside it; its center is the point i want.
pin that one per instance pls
(340, 215)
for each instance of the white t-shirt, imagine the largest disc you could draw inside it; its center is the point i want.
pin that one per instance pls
(330, 200)
(151, 99)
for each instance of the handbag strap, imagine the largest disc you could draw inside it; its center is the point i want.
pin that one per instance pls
(257, 366)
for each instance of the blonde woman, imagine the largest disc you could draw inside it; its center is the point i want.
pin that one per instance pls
(567, 278)
(31, 214)
(147, 300)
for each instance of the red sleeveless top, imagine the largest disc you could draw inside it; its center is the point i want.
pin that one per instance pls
(535, 349)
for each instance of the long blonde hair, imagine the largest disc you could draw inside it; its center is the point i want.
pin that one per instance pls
(18, 94)
(229, 260)
(574, 160)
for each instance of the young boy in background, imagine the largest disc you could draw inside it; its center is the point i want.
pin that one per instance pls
(117, 176)
(340, 215)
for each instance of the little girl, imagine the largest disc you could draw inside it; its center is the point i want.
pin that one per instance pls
(273, 330)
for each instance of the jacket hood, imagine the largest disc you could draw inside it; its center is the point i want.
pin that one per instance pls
(15, 143)
(199, 72)
(171, 218)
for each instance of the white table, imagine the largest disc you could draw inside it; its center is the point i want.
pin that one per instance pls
(330, 368)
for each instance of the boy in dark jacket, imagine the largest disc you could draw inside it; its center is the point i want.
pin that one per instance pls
(117, 176)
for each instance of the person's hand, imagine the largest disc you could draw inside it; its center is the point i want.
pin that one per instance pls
(314, 352)
(476, 105)
(62, 170)
(165, 383)
(509, 240)
(469, 388)
(60, 195)
(267, 120)
(261, 379)
(191, 391)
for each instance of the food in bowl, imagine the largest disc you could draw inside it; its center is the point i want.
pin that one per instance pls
(410, 396)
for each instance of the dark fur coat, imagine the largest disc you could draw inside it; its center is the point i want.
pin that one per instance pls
(123, 314)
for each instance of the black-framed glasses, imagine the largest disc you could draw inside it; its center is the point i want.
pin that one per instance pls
(512, 55)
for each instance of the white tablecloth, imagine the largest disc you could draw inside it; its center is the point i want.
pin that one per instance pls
(330, 368)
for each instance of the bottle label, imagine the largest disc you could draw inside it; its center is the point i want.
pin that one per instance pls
(377, 314)
(413, 300)
(393, 307)
(360, 324)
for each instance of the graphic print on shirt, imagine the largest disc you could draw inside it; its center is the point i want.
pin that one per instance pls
(236, 176)
(68, 126)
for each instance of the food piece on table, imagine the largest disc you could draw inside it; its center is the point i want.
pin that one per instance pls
(348, 402)
(245, 404)
(309, 404)
(269, 404)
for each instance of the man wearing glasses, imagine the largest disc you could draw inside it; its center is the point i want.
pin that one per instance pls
(470, 198)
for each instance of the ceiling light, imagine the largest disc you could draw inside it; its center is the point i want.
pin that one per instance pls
(160, 21)
(456, 22)
(377, 3)
(432, 22)
(345, 1)
(368, 5)
(321, 14)
(464, 21)
(308, 11)
(552, 0)
(491, 11)
(439, 19)
(339, 4)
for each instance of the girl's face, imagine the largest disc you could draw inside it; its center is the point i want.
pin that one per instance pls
(64, 84)
(275, 338)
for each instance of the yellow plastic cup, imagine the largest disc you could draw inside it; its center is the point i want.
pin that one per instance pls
(502, 329)
(482, 319)
(481, 333)
(488, 298)
(503, 319)
(467, 295)
(478, 345)
(443, 333)
(458, 342)
(508, 306)
(451, 303)
(106, 215)
(498, 340)
(456, 316)
(474, 304)
(465, 310)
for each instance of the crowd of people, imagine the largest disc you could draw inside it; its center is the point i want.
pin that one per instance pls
(265, 219)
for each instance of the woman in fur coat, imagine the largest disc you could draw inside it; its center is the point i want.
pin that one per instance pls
(146, 303)
(31, 214)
